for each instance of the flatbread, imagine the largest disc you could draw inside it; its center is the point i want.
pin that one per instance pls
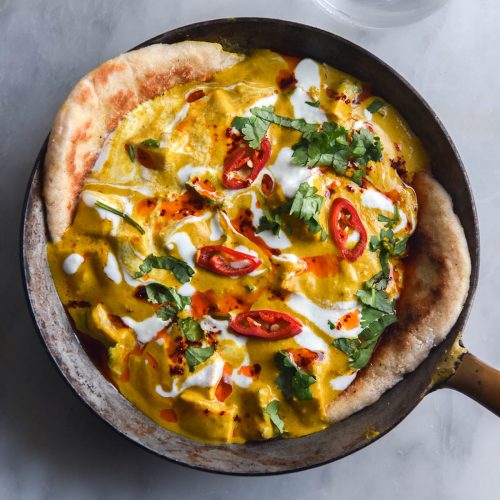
(97, 103)
(436, 285)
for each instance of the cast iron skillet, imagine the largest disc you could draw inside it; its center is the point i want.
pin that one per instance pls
(448, 359)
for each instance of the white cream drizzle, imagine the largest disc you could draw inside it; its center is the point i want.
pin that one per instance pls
(269, 100)
(216, 231)
(222, 328)
(372, 198)
(207, 376)
(320, 316)
(343, 382)
(188, 171)
(112, 270)
(184, 245)
(147, 329)
(308, 339)
(125, 206)
(72, 263)
(287, 175)
(307, 75)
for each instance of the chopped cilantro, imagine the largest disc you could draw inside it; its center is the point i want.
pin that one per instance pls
(375, 105)
(306, 206)
(181, 270)
(191, 329)
(253, 129)
(293, 381)
(272, 220)
(390, 221)
(172, 301)
(198, 355)
(272, 410)
(314, 104)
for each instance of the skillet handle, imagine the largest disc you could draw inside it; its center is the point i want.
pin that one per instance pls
(477, 380)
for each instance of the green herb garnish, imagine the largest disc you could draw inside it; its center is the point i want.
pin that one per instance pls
(320, 144)
(123, 215)
(198, 355)
(181, 270)
(306, 206)
(390, 222)
(191, 329)
(151, 143)
(131, 152)
(314, 104)
(172, 301)
(375, 105)
(253, 129)
(379, 311)
(293, 381)
(272, 410)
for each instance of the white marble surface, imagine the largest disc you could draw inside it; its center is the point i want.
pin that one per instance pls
(51, 446)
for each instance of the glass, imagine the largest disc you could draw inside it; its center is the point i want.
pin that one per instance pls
(381, 13)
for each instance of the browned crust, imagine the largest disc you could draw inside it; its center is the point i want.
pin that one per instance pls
(436, 286)
(98, 102)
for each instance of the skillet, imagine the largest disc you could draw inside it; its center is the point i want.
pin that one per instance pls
(448, 365)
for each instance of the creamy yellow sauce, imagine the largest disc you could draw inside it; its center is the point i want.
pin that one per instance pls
(94, 263)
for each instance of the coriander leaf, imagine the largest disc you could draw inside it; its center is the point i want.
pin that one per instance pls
(181, 270)
(306, 206)
(378, 299)
(198, 355)
(375, 105)
(293, 381)
(124, 216)
(379, 281)
(267, 113)
(272, 220)
(191, 329)
(167, 312)
(173, 301)
(314, 104)
(150, 143)
(390, 221)
(272, 410)
(158, 294)
(131, 152)
(253, 129)
(347, 346)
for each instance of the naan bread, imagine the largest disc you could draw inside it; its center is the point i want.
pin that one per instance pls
(435, 289)
(101, 99)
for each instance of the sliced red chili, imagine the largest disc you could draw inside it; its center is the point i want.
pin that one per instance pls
(344, 215)
(272, 325)
(245, 158)
(226, 261)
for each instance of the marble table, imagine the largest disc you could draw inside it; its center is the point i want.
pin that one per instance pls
(51, 446)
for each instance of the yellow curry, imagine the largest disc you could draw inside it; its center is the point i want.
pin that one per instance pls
(223, 164)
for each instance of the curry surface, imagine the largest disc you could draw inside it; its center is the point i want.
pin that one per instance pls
(175, 193)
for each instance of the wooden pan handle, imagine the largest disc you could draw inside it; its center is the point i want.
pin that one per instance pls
(477, 380)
